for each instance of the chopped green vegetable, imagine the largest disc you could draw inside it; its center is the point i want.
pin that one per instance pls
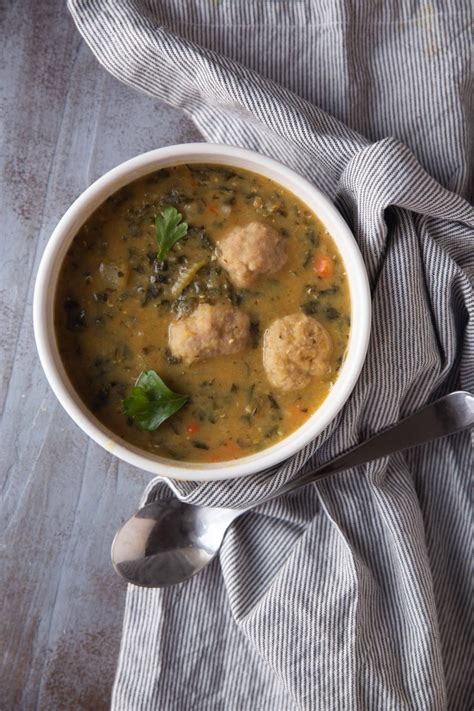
(254, 332)
(310, 308)
(273, 402)
(187, 277)
(331, 313)
(169, 229)
(151, 401)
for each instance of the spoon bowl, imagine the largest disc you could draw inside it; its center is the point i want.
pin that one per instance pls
(169, 541)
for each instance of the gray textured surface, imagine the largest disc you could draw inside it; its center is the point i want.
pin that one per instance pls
(65, 122)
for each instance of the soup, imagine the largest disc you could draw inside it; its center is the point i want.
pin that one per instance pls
(222, 293)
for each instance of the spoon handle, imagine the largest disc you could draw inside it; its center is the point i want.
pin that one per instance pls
(450, 414)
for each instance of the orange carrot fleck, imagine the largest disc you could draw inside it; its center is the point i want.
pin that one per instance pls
(212, 207)
(193, 427)
(323, 266)
(226, 451)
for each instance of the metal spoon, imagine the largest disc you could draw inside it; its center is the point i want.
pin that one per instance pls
(167, 542)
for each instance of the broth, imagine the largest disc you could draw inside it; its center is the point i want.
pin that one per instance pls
(115, 303)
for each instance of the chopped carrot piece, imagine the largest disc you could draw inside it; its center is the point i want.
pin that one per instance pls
(232, 447)
(323, 266)
(226, 451)
(212, 207)
(193, 427)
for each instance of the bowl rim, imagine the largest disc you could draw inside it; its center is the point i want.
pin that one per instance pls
(130, 170)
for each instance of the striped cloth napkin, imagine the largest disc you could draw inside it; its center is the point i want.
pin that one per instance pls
(353, 593)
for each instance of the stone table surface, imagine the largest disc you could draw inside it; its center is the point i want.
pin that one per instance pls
(64, 121)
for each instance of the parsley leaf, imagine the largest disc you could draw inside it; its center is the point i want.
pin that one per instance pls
(151, 401)
(169, 229)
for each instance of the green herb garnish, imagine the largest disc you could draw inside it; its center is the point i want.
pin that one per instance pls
(151, 401)
(169, 229)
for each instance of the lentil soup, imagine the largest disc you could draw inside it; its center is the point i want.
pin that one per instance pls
(248, 314)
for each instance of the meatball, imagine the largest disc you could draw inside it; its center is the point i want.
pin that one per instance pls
(295, 348)
(209, 331)
(251, 251)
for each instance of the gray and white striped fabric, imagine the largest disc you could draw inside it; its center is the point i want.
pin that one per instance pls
(354, 593)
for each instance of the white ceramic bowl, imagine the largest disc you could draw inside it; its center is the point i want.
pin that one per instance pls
(84, 206)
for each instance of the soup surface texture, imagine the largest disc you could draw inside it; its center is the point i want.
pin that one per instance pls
(255, 277)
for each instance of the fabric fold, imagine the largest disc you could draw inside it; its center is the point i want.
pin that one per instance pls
(353, 593)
